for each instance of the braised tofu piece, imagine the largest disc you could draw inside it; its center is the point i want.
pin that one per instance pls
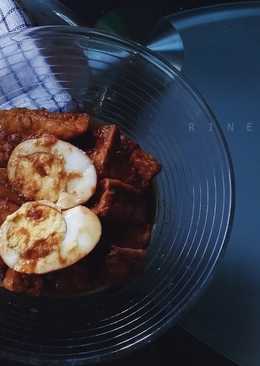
(127, 146)
(143, 168)
(3, 269)
(118, 157)
(119, 166)
(23, 283)
(26, 122)
(120, 202)
(106, 139)
(123, 262)
(134, 236)
(110, 152)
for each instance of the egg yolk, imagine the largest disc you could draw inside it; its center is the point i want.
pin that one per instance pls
(35, 232)
(41, 175)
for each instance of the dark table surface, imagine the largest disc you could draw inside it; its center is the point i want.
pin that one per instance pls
(176, 347)
(137, 23)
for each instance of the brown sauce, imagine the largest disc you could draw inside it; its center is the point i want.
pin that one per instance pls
(41, 248)
(124, 201)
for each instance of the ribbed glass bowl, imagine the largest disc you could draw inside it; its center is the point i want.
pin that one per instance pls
(65, 68)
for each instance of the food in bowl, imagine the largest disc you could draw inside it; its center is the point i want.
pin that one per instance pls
(76, 203)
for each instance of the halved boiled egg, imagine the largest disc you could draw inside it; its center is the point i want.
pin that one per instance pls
(39, 238)
(49, 169)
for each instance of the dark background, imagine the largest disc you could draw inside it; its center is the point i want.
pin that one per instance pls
(137, 21)
(138, 17)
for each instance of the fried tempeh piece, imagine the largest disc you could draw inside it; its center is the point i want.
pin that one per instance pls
(26, 122)
(106, 138)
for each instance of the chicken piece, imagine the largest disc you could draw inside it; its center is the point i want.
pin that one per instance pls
(10, 200)
(120, 202)
(26, 122)
(23, 283)
(123, 262)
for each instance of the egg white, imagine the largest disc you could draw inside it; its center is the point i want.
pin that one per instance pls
(76, 231)
(49, 169)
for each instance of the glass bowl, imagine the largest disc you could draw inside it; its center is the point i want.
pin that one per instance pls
(66, 68)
